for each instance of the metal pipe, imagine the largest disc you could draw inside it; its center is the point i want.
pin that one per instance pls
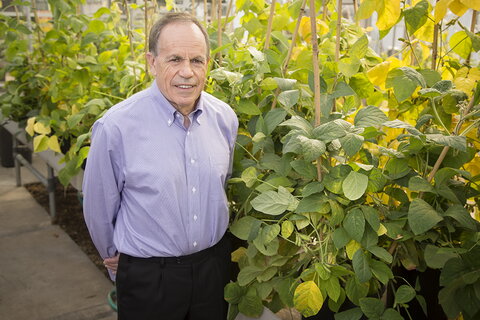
(20, 159)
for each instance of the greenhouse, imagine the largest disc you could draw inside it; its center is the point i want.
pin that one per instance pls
(329, 150)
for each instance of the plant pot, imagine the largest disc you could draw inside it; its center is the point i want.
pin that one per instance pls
(326, 314)
(6, 149)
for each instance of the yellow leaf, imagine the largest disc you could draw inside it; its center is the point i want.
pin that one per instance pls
(472, 4)
(351, 248)
(388, 13)
(308, 298)
(378, 74)
(465, 79)
(287, 228)
(425, 32)
(305, 28)
(29, 128)
(41, 128)
(366, 9)
(382, 230)
(457, 7)
(441, 10)
(238, 254)
(53, 144)
(40, 143)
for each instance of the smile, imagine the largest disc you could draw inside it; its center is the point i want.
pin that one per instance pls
(183, 86)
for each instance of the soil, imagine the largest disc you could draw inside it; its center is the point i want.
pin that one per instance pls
(69, 217)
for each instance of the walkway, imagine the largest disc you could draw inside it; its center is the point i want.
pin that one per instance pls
(43, 273)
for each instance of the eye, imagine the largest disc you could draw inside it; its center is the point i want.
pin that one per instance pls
(197, 61)
(175, 59)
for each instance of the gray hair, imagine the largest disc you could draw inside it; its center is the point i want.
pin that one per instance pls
(172, 17)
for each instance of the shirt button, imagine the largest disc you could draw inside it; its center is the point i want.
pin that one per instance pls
(195, 243)
(188, 133)
(192, 161)
(194, 189)
(169, 122)
(195, 217)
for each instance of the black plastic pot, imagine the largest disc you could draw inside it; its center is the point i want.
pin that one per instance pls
(6, 149)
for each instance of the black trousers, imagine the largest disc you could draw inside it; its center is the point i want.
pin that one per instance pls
(175, 288)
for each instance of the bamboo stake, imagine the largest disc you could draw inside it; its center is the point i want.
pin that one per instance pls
(436, 29)
(325, 9)
(205, 12)
(146, 37)
(472, 30)
(194, 12)
(213, 12)
(339, 30)
(355, 8)
(290, 50)
(316, 76)
(219, 31)
(230, 3)
(269, 27)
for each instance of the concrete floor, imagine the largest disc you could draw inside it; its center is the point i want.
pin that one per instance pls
(43, 273)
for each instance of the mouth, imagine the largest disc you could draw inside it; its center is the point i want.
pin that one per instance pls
(184, 86)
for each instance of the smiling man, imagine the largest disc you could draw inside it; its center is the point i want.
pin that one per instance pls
(154, 197)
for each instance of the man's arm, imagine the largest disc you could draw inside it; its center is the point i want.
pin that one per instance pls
(101, 188)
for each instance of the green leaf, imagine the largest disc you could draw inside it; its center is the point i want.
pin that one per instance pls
(381, 271)
(370, 116)
(354, 224)
(312, 187)
(251, 304)
(355, 313)
(286, 289)
(285, 84)
(355, 185)
(372, 217)
(312, 203)
(289, 98)
(415, 17)
(331, 130)
(287, 228)
(404, 81)
(248, 107)
(243, 227)
(248, 274)
(299, 123)
(404, 294)
(436, 257)
(381, 253)
(361, 267)
(359, 48)
(274, 203)
(391, 314)
(422, 217)
(249, 176)
(273, 118)
(332, 286)
(419, 184)
(308, 299)
(96, 26)
(340, 238)
(233, 292)
(348, 66)
(342, 89)
(462, 216)
(334, 179)
(372, 307)
(456, 142)
(311, 148)
(337, 213)
(352, 143)
(400, 124)
(304, 168)
(356, 290)
(267, 274)
(376, 180)
(397, 168)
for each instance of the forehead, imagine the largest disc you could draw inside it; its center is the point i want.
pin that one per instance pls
(182, 37)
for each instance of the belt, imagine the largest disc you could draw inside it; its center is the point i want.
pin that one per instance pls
(181, 260)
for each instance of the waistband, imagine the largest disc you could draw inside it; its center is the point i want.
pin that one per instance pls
(181, 260)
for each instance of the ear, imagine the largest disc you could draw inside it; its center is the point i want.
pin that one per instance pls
(151, 63)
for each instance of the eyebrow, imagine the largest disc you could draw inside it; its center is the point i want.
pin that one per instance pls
(176, 56)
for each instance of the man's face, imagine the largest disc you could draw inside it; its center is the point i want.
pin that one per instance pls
(180, 66)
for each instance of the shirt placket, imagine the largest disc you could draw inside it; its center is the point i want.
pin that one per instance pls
(193, 187)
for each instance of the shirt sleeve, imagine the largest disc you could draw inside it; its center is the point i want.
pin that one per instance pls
(102, 186)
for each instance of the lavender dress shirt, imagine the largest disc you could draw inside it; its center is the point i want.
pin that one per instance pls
(153, 188)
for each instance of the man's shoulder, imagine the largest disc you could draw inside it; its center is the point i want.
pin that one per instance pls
(213, 103)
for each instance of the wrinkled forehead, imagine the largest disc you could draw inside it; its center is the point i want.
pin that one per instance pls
(182, 38)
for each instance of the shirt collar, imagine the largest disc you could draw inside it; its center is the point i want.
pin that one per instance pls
(169, 110)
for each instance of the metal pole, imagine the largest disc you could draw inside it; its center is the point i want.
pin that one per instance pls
(18, 172)
(51, 193)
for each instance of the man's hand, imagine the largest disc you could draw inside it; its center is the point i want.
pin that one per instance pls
(111, 263)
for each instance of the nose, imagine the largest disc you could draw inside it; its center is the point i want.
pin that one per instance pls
(186, 69)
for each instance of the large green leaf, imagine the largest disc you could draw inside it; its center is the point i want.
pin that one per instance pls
(334, 179)
(355, 185)
(350, 314)
(242, 228)
(313, 203)
(289, 98)
(304, 168)
(422, 217)
(308, 299)
(372, 216)
(352, 143)
(248, 107)
(311, 148)
(404, 82)
(356, 290)
(370, 116)
(360, 47)
(233, 292)
(456, 142)
(372, 307)
(381, 271)
(381, 253)
(354, 224)
(397, 168)
(361, 266)
(331, 130)
(462, 216)
(273, 118)
(404, 294)
(340, 238)
(436, 257)
(415, 17)
(251, 304)
(419, 184)
(274, 203)
(248, 274)
(249, 176)
(296, 122)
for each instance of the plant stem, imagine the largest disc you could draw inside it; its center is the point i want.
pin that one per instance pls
(339, 30)
(230, 3)
(316, 76)
(194, 12)
(205, 11)
(472, 30)
(269, 27)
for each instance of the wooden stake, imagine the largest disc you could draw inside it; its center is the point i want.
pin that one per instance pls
(219, 30)
(230, 3)
(339, 30)
(194, 12)
(316, 76)
(145, 9)
(205, 12)
(436, 29)
(472, 30)
(269, 27)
